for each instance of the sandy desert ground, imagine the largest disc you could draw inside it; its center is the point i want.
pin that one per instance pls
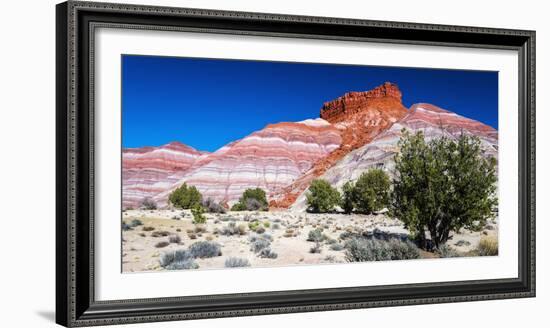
(143, 245)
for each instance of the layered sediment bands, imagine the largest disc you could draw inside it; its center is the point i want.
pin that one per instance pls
(432, 120)
(270, 159)
(360, 117)
(146, 170)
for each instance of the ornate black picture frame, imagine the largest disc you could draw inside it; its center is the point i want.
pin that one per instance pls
(75, 301)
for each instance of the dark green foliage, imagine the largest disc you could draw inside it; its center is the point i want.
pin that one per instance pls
(252, 200)
(370, 193)
(185, 197)
(322, 197)
(442, 186)
(126, 227)
(238, 207)
(198, 217)
(348, 197)
(363, 250)
(148, 204)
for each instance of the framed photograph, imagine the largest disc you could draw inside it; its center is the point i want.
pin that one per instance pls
(214, 163)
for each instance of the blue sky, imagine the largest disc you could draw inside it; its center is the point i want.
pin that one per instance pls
(207, 103)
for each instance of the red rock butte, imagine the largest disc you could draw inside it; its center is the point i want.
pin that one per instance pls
(341, 108)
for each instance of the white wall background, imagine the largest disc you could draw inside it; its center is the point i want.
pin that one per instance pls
(27, 162)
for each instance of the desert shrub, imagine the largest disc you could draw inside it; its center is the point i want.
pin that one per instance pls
(174, 239)
(260, 229)
(442, 186)
(316, 235)
(362, 250)
(212, 206)
(188, 264)
(446, 251)
(232, 229)
(275, 226)
(204, 249)
(191, 235)
(253, 225)
(148, 204)
(252, 200)
(185, 197)
(254, 237)
(268, 253)
(488, 246)
(148, 228)
(236, 262)
(175, 217)
(175, 256)
(336, 247)
(126, 227)
(322, 197)
(198, 214)
(160, 234)
(136, 222)
(141, 234)
(267, 224)
(162, 244)
(316, 248)
(258, 244)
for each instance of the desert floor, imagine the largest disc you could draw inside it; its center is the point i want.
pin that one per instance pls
(289, 231)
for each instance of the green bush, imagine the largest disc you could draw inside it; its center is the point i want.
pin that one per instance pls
(252, 200)
(322, 197)
(185, 197)
(348, 197)
(363, 250)
(198, 217)
(370, 193)
(442, 186)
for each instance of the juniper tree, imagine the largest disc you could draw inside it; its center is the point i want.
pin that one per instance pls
(442, 186)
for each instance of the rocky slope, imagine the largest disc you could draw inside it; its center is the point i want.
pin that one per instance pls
(270, 159)
(432, 120)
(147, 171)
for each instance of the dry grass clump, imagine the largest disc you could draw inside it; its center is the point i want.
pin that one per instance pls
(488, 246)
